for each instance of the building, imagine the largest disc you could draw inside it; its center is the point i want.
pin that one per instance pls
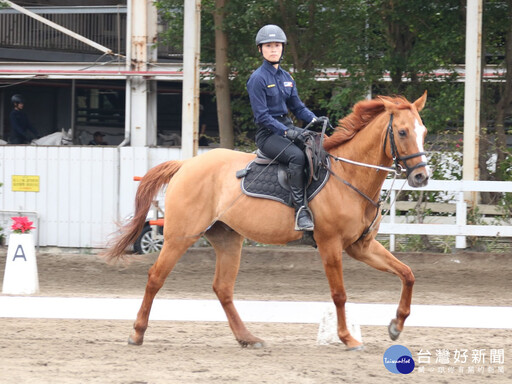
(78, 193)
(69, 84)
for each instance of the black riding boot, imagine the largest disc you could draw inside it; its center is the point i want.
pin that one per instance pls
(303, 219)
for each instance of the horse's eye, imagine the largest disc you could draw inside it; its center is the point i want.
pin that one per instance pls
(402, 133)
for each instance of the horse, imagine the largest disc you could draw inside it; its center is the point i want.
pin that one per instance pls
(56, 138)
(203, 197)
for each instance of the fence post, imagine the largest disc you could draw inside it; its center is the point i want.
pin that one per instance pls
(460, 219)
(392, 215)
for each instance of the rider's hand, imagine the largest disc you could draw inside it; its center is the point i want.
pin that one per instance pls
(301, 130)
(296, 136)
(320, 120)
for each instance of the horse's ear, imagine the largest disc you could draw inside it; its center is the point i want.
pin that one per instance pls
(388, 104)
(420, 103)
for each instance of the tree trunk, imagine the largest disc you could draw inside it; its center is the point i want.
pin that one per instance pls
(224, 113)
(290, 26)
(400, 40)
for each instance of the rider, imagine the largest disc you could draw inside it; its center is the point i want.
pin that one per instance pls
(272, 91)
(22, 132)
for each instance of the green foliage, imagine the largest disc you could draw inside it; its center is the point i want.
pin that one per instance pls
(366, 39)
(386, 46)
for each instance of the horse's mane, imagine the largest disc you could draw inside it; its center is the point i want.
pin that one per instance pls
(362, 114)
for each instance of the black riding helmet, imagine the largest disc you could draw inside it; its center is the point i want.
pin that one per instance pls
(271, 33)
(17, 99)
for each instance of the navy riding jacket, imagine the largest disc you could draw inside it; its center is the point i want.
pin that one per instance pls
(272, 93)
(22, 132)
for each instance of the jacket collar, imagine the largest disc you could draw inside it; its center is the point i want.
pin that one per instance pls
(270, 68)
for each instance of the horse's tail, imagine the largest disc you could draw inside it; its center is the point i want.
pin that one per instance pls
(149, 186)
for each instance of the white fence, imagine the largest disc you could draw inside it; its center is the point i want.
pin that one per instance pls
(459, 228)
(85, 191)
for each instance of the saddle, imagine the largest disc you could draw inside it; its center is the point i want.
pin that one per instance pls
(267, 178)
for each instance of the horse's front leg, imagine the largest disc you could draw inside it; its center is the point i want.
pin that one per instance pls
(331, 253)
(378, 257)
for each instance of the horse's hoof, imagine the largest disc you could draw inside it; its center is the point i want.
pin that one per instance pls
(356, 348)
(252, 344)
(393, 330)
(133, 342)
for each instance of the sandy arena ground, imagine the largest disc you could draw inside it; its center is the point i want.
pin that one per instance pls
(95, 351)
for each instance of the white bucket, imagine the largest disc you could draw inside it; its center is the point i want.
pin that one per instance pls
(20, 277)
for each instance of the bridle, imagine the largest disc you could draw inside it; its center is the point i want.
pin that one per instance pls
(395, 155)
(397, 159)
(64, 140)
(397, 170)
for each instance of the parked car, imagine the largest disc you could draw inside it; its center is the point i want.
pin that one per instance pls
(150, 240)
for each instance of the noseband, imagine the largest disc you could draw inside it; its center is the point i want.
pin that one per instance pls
(394, 151)
(65, 140)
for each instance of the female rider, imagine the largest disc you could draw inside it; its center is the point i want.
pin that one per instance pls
(272, 92)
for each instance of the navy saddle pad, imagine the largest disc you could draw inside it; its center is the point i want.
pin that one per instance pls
(271, 182)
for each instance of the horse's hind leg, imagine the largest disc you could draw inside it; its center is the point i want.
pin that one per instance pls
(375, 255)
(169, 256)
(228, 247)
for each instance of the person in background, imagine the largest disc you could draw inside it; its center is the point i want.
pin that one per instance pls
(98, 139)
(203, 140)
(22, 131)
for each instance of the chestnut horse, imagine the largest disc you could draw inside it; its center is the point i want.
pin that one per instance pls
(204, 197)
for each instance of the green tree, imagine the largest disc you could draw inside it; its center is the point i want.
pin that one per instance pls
(403, 41)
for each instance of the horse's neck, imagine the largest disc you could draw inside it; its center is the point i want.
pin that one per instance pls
(367, 147)
(51, 139)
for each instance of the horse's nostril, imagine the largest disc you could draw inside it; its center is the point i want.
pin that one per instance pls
(420, 178)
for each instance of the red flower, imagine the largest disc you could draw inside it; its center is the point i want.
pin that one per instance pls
(22, 225)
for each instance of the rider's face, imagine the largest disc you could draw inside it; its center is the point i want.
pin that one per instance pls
(272, 51)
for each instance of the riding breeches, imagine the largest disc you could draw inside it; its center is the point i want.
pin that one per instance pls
(276, 146)
(282, 148)
(286, 152)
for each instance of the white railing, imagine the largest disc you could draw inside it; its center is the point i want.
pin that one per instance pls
(460, 229)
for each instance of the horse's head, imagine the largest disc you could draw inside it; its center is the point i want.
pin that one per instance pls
(404, 138)
(67, 137)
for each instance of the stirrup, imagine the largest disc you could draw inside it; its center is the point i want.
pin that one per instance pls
(297, 214)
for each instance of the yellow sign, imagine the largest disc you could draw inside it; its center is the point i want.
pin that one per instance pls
(25, 183)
